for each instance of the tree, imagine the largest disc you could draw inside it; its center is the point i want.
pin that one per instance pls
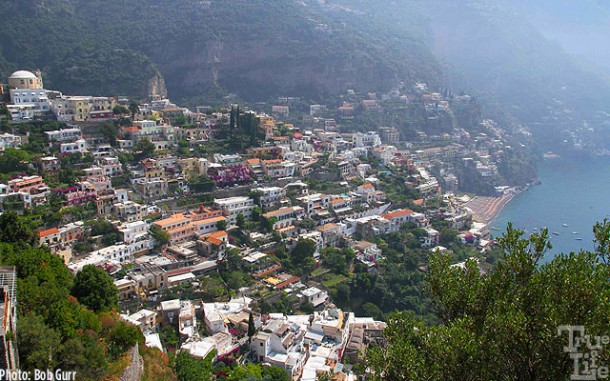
(159, 234)
(221, 225)
(144, 148)
(267, 223)
(274, 373)
(503, 325)
(14, 160)
(95, 289)
(134, 108)
(189, 368)
(307, 223)
(110, 132)
(122, 337)
(301, 257)
(38, 343)
(240, 220)
(202, 184)
(14, 229)
(251, 327)
(334, 259)
(120, 110)
(371, 309)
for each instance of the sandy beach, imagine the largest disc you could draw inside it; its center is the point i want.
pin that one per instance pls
(484, 209)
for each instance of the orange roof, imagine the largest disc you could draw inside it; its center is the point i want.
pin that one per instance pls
(274, 161)
(278, 212)
(253, 161)
(211, 219)
(327, 227)
(130, 129)
(217, 234)
(214, 241)
(397, 213)
(171, 220)
(418, 202)
(47, 232)
(367, 186)
(337, 201)
(297, 135)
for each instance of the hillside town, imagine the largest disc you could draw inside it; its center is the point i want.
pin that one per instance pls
(234, 231)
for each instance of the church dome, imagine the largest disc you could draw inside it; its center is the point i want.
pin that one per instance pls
(23, 74)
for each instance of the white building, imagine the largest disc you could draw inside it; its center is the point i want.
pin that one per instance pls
(79, 145)
(271, 196)
(9, 141)
(28, 97)
(233, 206)
(65, 135)
(313, 295)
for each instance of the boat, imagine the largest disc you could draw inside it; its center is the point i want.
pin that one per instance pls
(565, 225)
(574, 232)
(556, 233)
(578, 238)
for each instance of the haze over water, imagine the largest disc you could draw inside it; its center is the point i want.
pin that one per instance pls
(573, 192)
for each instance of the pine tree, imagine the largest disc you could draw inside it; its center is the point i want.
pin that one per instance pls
(251, 327)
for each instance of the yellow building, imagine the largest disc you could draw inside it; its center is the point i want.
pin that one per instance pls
(23, 79)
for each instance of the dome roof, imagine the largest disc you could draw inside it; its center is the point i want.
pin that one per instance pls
(22, 74)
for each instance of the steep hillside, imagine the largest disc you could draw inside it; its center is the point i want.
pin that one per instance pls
(253, 48)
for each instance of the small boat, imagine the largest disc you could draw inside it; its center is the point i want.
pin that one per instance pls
(574, 233)
(565, 225)
(578, 238)
(556, 233)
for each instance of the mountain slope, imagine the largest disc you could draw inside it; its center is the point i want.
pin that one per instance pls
(256, 49)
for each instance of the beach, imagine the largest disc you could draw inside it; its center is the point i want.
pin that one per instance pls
(485, 209)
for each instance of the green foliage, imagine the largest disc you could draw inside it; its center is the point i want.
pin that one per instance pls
(189, 368)
(143, 149)
(121, 337)
(53, 329)
(240, 221)
(38, 344)
(160, 235)
(267, 223)
(251, 327)
(14, 160)
(100, 227)
(336, 260)
(301, 257)
(500, 325)
(221, 225)
(14, 229)
(110, 131)
(95, 289)
(120, 110)
(201, 184)
(134, 108)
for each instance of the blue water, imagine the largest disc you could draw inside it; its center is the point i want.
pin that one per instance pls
(573, 192)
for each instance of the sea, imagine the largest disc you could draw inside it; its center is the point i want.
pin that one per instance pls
(573, 192)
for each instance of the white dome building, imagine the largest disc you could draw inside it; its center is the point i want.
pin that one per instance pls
(23, 79)
(28, 97)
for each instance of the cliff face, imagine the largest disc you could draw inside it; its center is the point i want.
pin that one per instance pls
(156, 87)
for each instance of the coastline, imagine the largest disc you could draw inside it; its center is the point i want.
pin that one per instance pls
(485, 209)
